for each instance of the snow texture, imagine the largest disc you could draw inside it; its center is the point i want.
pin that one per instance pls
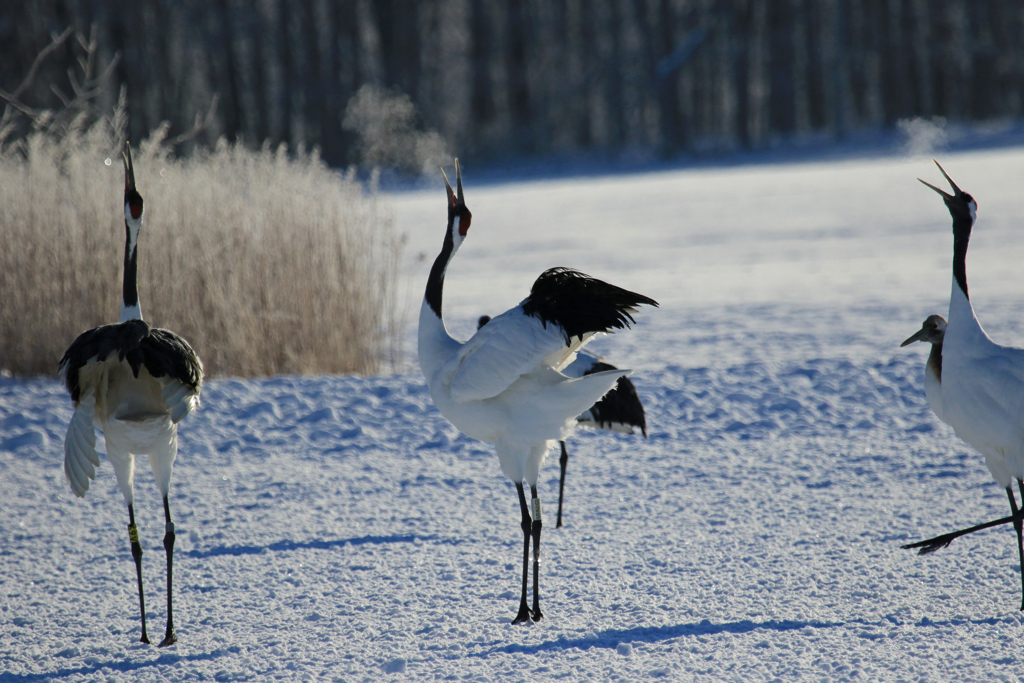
(340, 529)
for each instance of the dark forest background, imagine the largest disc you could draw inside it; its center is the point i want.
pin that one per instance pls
(531, 77)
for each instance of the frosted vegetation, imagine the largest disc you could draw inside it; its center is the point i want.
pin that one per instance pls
(268, 262)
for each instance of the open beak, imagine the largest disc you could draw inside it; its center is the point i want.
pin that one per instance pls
(921, 335)
(458, 183)
(454, 196)
(129, 170)
(957, 192)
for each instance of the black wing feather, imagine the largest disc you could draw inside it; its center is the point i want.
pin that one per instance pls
(161, 351)
(580, 304)
(99, 343)
(621, 404)
(167, 354)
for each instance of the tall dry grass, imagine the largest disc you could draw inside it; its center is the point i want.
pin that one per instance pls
(267, 263)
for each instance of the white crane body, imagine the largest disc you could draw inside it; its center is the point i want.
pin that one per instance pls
(504, 384)
(489, 386)
(983, 391)
(618, 410)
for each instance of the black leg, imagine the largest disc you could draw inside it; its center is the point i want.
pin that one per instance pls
(1018, 525)
(133, 536)
(563, 461)
(537, 524)
(939, 542)
(524, 611)
(170, 637)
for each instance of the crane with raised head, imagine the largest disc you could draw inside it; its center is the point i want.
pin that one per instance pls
(135, 383)
(978, 388)
(505, 385)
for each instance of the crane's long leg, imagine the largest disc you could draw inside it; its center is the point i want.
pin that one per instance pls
(1017, 518)
(524, 611)
(563, 461)
(170, 637)
(537, 524)
(939, 542)
(133, 536)
(1018, 525)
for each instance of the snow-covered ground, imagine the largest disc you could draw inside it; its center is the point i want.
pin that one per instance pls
(338, 528)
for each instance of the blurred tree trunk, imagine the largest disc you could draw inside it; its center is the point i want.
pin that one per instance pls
(758, 79)
(226, 68)
(801, 69)
(534, 77)
(921, 73)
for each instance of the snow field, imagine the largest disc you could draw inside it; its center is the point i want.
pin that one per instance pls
(340, 529)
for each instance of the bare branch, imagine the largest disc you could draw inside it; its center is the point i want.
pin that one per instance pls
(23, 108)
(89, 63)
(57, 91)
(75, 109)
(6, 130)
(109, 68)
(201, 123)
(13, 102)
(55, 42)
(75, 85)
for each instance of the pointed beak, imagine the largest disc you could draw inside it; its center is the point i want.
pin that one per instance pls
(945, 195)
(458, 183)
(957, 192)
(448, 187)
(920, 335)
(129, 170)
(454, 196)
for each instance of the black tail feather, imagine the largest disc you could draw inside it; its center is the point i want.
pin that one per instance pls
(620, 405)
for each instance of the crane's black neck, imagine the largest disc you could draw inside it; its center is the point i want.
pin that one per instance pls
(960, 263)
(962, 225)
(935, 360)
(129, 285)
(435, 283)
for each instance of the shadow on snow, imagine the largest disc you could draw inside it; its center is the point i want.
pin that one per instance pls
(286, 546)
(113, 666)
(613, 637)
(653, 634)
(610, 638)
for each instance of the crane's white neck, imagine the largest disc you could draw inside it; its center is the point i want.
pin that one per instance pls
(433, 339)
(130, 312)
(434, 343)
(963, 325)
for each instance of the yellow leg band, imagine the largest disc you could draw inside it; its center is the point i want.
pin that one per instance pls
(133, 533)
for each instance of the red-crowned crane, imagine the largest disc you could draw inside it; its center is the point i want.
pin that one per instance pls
(932, 331)
(505, 385)
(135, 383)
(980, 383)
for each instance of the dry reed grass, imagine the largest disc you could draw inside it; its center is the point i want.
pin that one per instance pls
(267, 263)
